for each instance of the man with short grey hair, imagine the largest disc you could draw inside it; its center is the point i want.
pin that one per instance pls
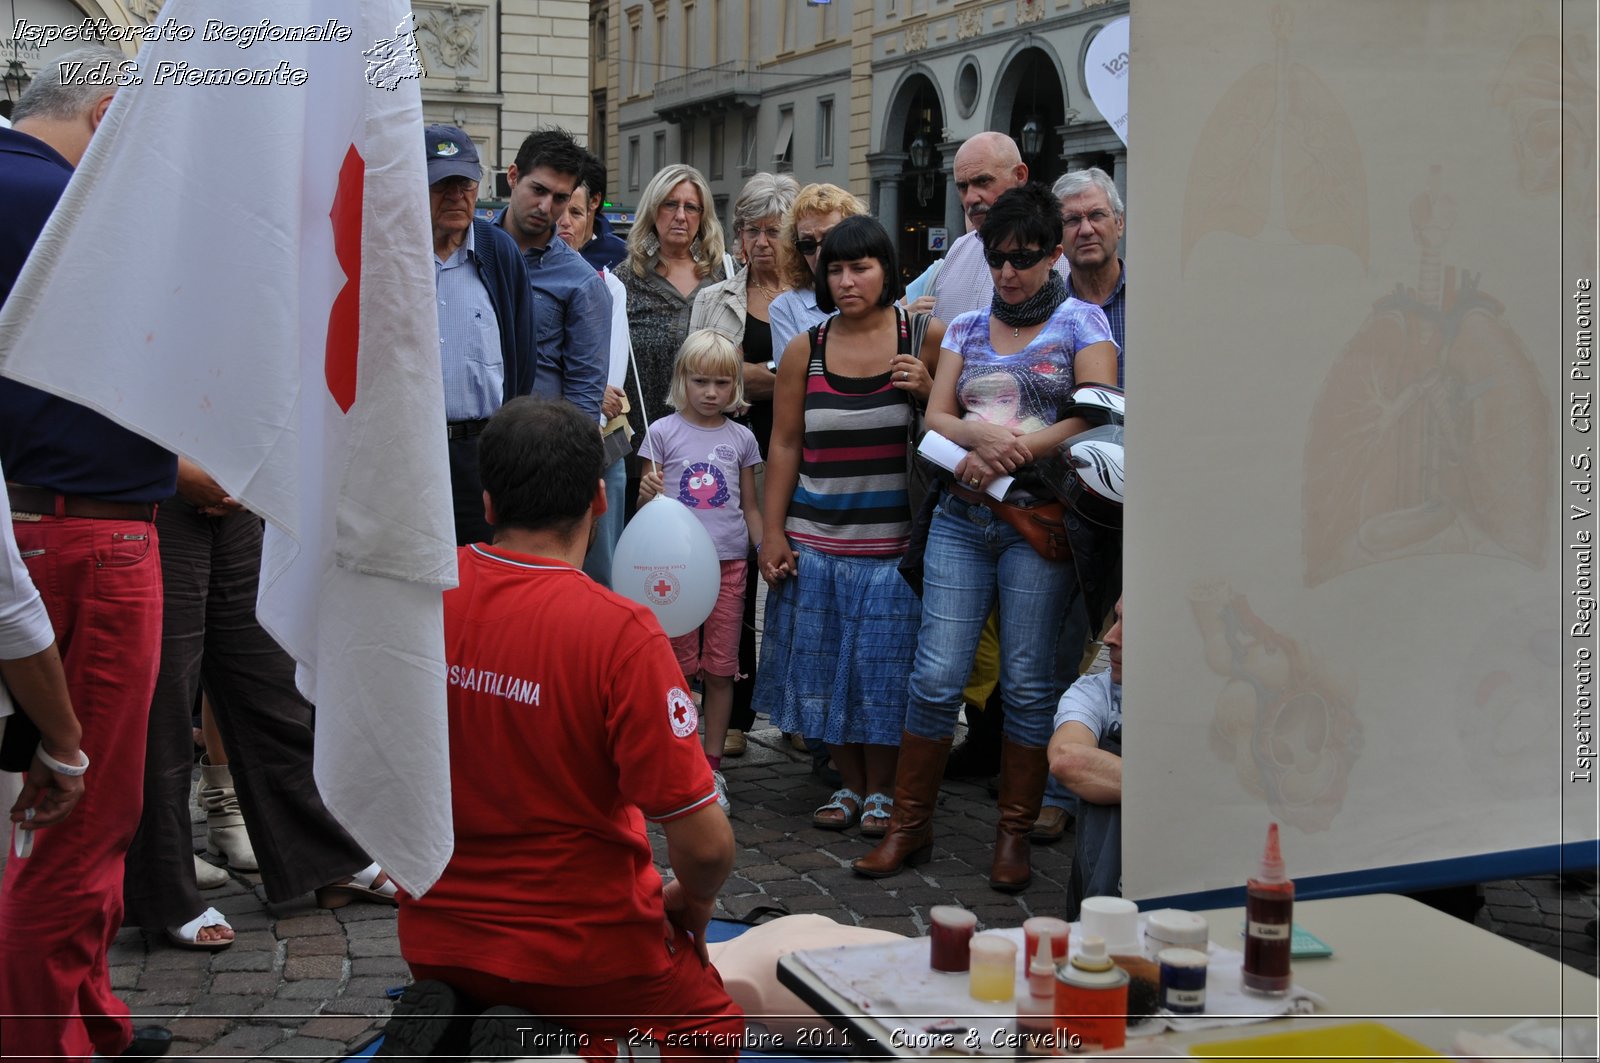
(1092, 216)
(83, 492)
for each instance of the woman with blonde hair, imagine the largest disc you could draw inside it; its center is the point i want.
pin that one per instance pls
(817, 209)
(674, 251)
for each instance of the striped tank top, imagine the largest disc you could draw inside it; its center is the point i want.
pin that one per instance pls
(851, 497)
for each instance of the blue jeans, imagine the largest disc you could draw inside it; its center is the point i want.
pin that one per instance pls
(598, 562)
(972, 557)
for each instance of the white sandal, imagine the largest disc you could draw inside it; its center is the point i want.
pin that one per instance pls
(371, 883)
(187, 936)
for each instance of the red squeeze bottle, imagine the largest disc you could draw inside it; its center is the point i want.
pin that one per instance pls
(1269, 922)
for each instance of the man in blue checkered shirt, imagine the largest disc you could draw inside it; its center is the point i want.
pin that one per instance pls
(1092, 219)
(1092, 212)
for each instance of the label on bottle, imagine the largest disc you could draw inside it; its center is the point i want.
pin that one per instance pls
(1185, 998)
(1272, 931)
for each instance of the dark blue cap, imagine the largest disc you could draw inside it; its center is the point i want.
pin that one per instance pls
(451, 153)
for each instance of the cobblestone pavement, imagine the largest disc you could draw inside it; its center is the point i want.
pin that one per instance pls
(304, 983)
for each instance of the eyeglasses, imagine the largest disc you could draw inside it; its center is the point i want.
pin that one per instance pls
(454, 186)
(672, 206)
(1024, 259)
(756, 232)
(1096, 218)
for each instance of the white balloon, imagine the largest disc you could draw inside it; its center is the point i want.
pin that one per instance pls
(666, 561)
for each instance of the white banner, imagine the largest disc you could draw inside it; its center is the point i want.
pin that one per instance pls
(1105, 72)
(269, 314)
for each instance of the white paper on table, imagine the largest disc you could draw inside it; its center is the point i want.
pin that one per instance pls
(947, 455)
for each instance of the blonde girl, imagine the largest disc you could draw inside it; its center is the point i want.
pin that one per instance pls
(707, 462)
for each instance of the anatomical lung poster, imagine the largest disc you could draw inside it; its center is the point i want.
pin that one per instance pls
(1361, 241)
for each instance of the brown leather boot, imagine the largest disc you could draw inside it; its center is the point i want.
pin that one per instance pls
(916, 788)
(1022, 776)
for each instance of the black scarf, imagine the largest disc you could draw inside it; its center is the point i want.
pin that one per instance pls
(1035, 309)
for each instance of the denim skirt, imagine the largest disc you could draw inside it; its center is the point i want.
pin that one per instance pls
(836, 654)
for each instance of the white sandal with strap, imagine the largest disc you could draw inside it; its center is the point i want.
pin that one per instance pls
(371, 883)
(187, 936)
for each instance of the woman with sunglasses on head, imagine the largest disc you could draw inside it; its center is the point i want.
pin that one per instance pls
(816, 211)
(841, 622)
(1003, 375)
(674, 251)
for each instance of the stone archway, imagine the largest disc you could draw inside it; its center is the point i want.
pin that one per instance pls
(1030, 104)
(908, 170)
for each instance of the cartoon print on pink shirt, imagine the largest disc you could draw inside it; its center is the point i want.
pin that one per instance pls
(702, 486)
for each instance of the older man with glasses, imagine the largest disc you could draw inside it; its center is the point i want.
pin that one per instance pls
(486, 328)
(1092, 220)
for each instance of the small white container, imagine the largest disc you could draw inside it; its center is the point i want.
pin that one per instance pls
(1114, 919)
(1170, 928)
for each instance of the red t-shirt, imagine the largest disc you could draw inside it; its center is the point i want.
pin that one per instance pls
(569, 726)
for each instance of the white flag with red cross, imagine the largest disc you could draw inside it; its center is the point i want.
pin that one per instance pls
(241, 270)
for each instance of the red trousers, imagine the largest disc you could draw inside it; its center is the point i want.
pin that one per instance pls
(61, 907)
(685, 1009)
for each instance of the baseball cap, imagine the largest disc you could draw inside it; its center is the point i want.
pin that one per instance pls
(451, 153)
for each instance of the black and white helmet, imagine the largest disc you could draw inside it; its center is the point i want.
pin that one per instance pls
(1086, 472)
(1099, 404)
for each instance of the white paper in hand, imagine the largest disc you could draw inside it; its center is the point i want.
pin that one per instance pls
(947, 455)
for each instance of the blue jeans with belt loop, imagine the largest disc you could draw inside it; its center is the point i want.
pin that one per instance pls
(973, 556)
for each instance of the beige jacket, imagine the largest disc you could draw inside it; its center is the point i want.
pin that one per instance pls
(721, 306)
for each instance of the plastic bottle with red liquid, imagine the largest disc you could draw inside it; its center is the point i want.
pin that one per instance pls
(1269, 923)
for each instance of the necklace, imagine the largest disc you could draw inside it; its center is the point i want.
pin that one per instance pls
(772, 292)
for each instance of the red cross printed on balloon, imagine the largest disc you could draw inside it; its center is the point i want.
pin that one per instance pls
(662, 587)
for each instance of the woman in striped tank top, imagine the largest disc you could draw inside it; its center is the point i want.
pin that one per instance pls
(841, 625)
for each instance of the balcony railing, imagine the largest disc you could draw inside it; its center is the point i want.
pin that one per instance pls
(711, 88)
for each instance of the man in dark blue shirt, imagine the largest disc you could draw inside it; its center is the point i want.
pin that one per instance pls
(83, 494)
(571, 310)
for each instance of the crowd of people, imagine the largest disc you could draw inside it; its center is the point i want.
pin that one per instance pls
(776, 383)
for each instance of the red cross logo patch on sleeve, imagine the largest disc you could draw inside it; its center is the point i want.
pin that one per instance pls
(681, 712)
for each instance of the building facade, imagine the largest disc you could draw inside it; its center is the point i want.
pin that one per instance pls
(496, 68)
(872, 95)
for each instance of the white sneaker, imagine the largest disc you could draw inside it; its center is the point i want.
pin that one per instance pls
(722, 791)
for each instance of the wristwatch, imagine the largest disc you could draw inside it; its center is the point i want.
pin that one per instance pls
(772, 367)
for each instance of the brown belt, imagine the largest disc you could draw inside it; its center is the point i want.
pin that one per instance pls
(46, 503)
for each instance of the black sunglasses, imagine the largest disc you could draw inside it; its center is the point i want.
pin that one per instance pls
(807, 245)
(1024, 259)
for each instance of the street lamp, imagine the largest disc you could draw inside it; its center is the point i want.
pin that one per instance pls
(921, 151)
(16, 79)
(1032, 137)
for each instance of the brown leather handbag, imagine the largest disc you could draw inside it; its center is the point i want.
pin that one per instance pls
(1043, 524)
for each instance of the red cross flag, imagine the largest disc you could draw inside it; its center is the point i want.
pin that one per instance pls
(268, 312)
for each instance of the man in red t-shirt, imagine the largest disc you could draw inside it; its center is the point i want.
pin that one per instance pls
(569, 728)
